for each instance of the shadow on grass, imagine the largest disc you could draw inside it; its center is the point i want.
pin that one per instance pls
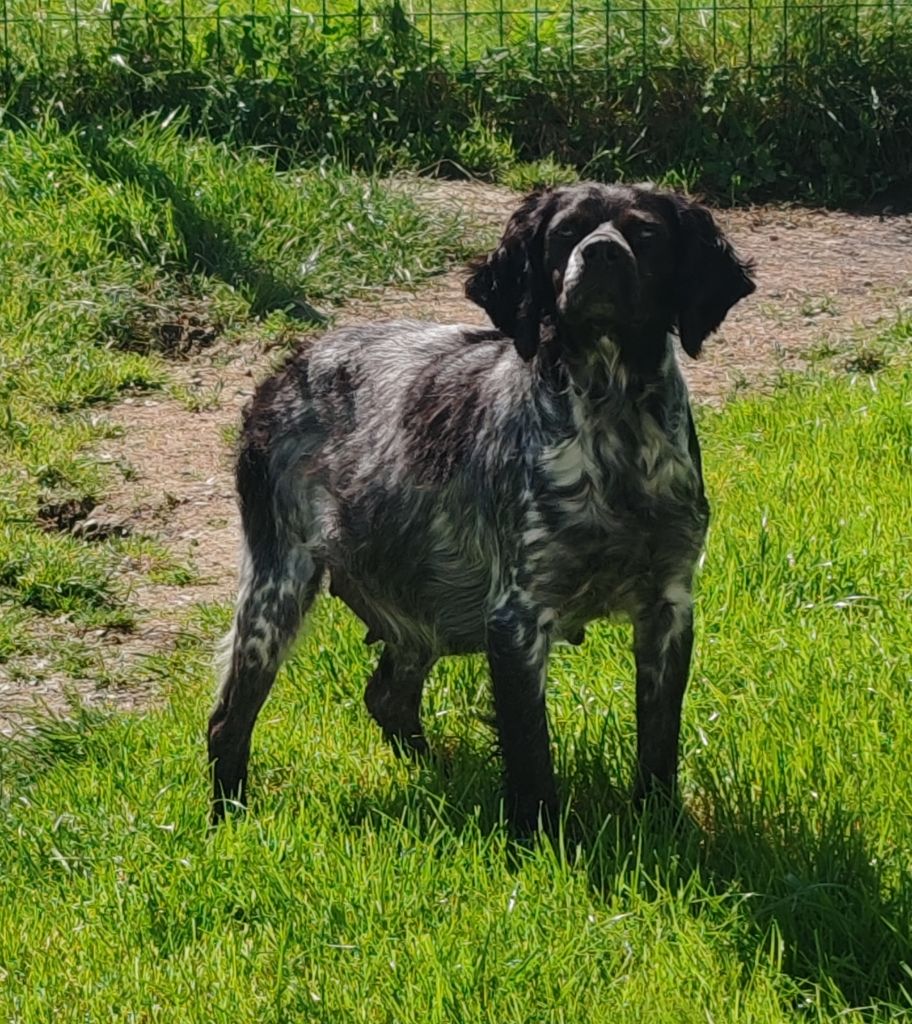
(809, 881)
(210, 244)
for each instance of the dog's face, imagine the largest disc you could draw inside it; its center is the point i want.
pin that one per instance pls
(630, 263)
(609, 257)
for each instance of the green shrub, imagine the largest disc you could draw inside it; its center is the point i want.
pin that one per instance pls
(817, 107)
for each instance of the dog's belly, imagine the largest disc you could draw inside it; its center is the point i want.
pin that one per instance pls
(435, 617)
(440, 599)
(424, 581)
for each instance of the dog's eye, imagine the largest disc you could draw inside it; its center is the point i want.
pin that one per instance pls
(567, 232)
(645, 232)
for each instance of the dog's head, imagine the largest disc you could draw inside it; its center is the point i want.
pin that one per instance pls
(589, 261)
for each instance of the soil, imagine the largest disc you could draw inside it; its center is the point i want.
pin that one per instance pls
(823, 277)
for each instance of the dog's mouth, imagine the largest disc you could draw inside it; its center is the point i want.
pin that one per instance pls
(590, 299)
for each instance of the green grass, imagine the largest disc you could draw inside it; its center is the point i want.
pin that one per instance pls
(656, 34)
(103, 238)
(360, 889)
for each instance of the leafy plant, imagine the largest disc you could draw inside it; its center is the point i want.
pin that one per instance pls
(739, 104)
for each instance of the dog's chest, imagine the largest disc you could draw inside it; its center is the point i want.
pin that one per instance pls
(619, 504)
(609, 463)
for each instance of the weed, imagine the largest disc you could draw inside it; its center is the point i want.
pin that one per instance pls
(524, 177)
(818, 305)
(867, 361)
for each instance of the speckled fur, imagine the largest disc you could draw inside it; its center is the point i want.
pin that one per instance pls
(471, 489)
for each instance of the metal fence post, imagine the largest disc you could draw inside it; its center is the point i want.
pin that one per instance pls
(607, 43)
(288, 31)
(7, 57)
(183, 21)
(537, 42)
(750, 38)
(76, 30)
(643, 66)
(465, 37)
(785, 40)
(715, 31)
(430, 28)
(572, 53)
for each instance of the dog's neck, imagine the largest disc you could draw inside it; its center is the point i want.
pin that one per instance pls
(603, 368)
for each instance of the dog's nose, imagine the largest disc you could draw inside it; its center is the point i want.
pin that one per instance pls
(603, 250)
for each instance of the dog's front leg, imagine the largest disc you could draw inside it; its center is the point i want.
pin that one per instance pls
(517, 645)
(663, 641)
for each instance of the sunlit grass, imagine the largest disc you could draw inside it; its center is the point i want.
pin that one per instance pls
(362, 889)
(739, 101)
(658, 33)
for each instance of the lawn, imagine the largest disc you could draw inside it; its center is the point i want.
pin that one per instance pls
(360, 889)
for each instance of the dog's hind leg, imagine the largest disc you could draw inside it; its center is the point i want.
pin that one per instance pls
(393, 697)
(280, 577)
(272, 601)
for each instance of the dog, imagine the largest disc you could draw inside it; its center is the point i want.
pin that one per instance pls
(471, 489)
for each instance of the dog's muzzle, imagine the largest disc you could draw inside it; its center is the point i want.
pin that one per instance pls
(601, 280)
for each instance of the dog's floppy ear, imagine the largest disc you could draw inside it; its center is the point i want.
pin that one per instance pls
(508, 283)
(711, 275)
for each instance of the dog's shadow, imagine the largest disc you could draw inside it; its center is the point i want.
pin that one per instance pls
(811, 883)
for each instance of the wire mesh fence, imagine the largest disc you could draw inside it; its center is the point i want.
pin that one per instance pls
(475, 36)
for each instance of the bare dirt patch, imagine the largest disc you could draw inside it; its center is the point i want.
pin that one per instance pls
(821, 276)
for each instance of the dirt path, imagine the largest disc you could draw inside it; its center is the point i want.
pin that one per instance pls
(822, 278)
